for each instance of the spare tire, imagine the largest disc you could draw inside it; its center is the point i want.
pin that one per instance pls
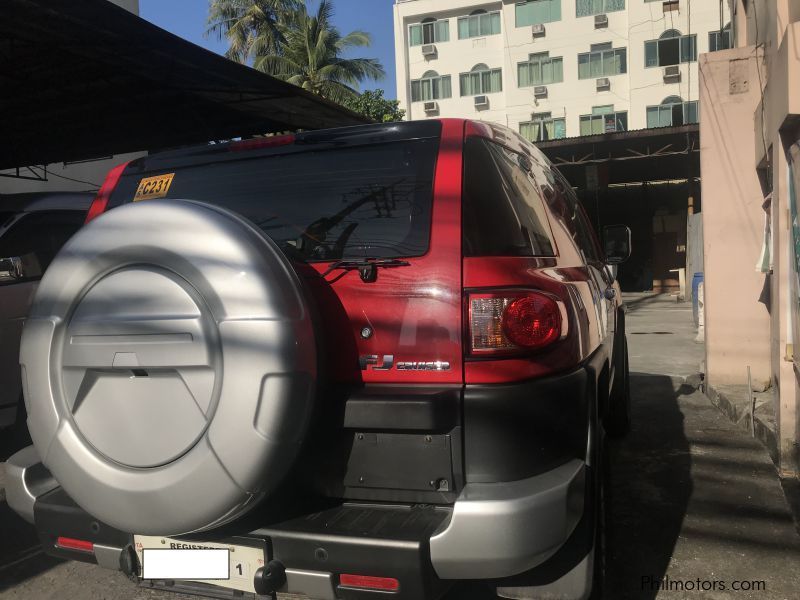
(169, 364)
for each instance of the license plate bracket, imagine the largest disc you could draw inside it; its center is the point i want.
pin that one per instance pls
(246, 556)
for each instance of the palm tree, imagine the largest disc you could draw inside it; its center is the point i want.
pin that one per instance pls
(252, 27)
(311, 56)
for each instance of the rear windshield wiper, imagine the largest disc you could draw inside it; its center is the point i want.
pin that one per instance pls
(367, 267)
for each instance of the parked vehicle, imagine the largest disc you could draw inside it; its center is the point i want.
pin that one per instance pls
(33, 227)
(364, 360)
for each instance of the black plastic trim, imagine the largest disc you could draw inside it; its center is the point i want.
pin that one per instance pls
(364, 539)
(518, 430)
(389, 407)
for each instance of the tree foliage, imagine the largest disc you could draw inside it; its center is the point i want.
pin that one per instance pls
(252, 27)
(372, 104)
(281, 38)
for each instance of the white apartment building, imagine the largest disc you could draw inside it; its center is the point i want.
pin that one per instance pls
(556, 68)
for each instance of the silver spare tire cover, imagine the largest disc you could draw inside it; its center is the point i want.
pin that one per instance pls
(169, 365)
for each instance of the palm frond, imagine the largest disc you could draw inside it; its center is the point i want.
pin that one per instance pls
(355, 39)
(283, 39)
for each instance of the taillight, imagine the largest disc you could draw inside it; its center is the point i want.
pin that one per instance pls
(510, 322)
(100, 201)
(367, 582)
(73, 544)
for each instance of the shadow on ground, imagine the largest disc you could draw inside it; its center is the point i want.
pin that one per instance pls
(21, 557)
(649, 488)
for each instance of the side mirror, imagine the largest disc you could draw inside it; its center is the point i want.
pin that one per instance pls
(617, 243)
(17, 268)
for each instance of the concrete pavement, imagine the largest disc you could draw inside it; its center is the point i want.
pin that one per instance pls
(696, 504)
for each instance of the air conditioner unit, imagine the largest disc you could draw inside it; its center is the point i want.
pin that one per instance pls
(481, 101)
(600, 21)
(604, 83)
(672, 73)
(669, 5)
(430, 107)
(540, 91)
(428, 49)
(538, 30)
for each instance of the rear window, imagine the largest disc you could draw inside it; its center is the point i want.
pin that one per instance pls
(322, 204)
(503, 213)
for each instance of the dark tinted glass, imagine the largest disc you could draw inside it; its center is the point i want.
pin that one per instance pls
(347, 202)
(577, 222)
(5, 216)
(41, 235)
(503, 213)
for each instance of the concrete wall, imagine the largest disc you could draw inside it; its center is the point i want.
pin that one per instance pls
(781, 110)
(630, 28)
(745, 164)
(694, 250)
(737, 323)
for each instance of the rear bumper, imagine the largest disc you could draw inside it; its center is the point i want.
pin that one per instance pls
(26, 480)
(502, 529)
(494, 530)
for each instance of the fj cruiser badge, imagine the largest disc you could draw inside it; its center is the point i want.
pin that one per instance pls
(431, 365)
(367, 361)
(384, 363)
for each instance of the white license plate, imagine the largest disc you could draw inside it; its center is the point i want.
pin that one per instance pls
(244, 560)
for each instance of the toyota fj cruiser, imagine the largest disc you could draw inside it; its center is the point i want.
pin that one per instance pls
(368, 362)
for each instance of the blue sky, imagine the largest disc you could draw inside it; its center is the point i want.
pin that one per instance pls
(187, 18)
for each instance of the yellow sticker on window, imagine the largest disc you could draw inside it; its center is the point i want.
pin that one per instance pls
(153, 187)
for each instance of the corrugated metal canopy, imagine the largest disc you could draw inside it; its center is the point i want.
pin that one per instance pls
(666, 153)
(84, 78)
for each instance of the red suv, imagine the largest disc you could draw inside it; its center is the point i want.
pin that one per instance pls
(357, 362)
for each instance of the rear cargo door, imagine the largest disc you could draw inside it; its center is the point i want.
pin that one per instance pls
(336, 202)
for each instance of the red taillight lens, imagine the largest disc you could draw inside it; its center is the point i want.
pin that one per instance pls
(73, 544)
(100, 201)
(507, 323)
(533, 321)
(389, 584)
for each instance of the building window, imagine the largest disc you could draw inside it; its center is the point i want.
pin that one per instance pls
(585, 8)
(602, 61)
(720, 40)
(478, 24)
(543, 127)
(481, 80)
(534, 12)
(431, 86)
(604, 120)
(540, 69)
(671, 48)
(671, 112)
(430, 31)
